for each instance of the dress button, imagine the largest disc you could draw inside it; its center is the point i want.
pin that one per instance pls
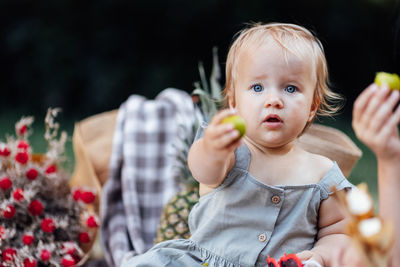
(262, 237)
(275, 199)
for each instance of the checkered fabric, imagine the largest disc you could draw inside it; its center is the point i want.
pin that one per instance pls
(141, 179)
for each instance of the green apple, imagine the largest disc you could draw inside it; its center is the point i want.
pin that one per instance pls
(392, 80)
(238, 123)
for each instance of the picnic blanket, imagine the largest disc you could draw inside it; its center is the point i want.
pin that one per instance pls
(141, 178)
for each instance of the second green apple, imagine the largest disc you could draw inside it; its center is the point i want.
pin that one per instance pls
(392, 80)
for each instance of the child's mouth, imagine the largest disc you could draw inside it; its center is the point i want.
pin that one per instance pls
(273, 118)
(272, 121)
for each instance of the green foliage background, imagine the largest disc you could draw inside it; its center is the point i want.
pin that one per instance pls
(89, 56)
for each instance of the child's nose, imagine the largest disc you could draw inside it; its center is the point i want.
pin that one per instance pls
(273, 99)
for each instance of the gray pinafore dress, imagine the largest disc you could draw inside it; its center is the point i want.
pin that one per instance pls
(244, 220)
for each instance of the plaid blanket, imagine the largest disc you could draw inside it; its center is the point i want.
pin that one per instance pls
(141, 179)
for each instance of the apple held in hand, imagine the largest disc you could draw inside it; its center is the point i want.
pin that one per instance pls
(392, 80)
(238, 123)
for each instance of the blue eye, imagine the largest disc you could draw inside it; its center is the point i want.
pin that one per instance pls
(257, 88)
(291, 89)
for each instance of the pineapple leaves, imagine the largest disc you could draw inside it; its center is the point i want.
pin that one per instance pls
(210, 96)
(215, 77)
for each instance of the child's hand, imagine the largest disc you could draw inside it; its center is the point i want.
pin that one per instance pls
(310, 256)
(375, 123)
(346, 256)
(220, 139)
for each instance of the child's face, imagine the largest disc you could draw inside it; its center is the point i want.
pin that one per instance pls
(273, 92)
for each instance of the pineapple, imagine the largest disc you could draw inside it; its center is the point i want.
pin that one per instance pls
(174, 219)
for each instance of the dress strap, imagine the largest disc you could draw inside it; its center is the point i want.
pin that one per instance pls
(242, 157)
(334, 178)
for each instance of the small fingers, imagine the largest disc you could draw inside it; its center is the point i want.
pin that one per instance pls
(227, 139)
(215, 129)
(222, 115)
(337, 257)
(304, 255)
(222, 136)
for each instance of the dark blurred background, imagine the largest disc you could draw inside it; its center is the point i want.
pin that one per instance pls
(88, 56)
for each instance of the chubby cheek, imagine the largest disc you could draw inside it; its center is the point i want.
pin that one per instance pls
(301, 117)
(251, 112)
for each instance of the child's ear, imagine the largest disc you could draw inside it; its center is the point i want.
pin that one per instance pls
(231, 99)
(313, 110)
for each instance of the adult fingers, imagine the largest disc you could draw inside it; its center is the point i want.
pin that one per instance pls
(384, 113)
(391, 124)
(362, 100)
(395, 119)
(377, 100)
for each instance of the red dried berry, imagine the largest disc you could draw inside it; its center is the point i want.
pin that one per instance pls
(51, 169)
(22, 157)
(29, 263)
(32, 174)
(23, 145)
(48, 225)
(76, 257)
(35, 207)
(5, 183)
(9, 254)
(28, 239)
(22, 129)
(5, 152)
(68, 261)
(69, 248)
(2, 231)
(84, 237)
(9, 211)
(92, 221)
(88, 197)
(45, 255)
(18, 194)
(76, 194)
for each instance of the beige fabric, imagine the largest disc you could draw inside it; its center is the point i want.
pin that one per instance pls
(92, 142)
(331, 143)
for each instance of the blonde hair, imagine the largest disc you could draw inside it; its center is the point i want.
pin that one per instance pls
(302, 42)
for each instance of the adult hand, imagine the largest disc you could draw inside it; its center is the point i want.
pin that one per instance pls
(375, 123)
